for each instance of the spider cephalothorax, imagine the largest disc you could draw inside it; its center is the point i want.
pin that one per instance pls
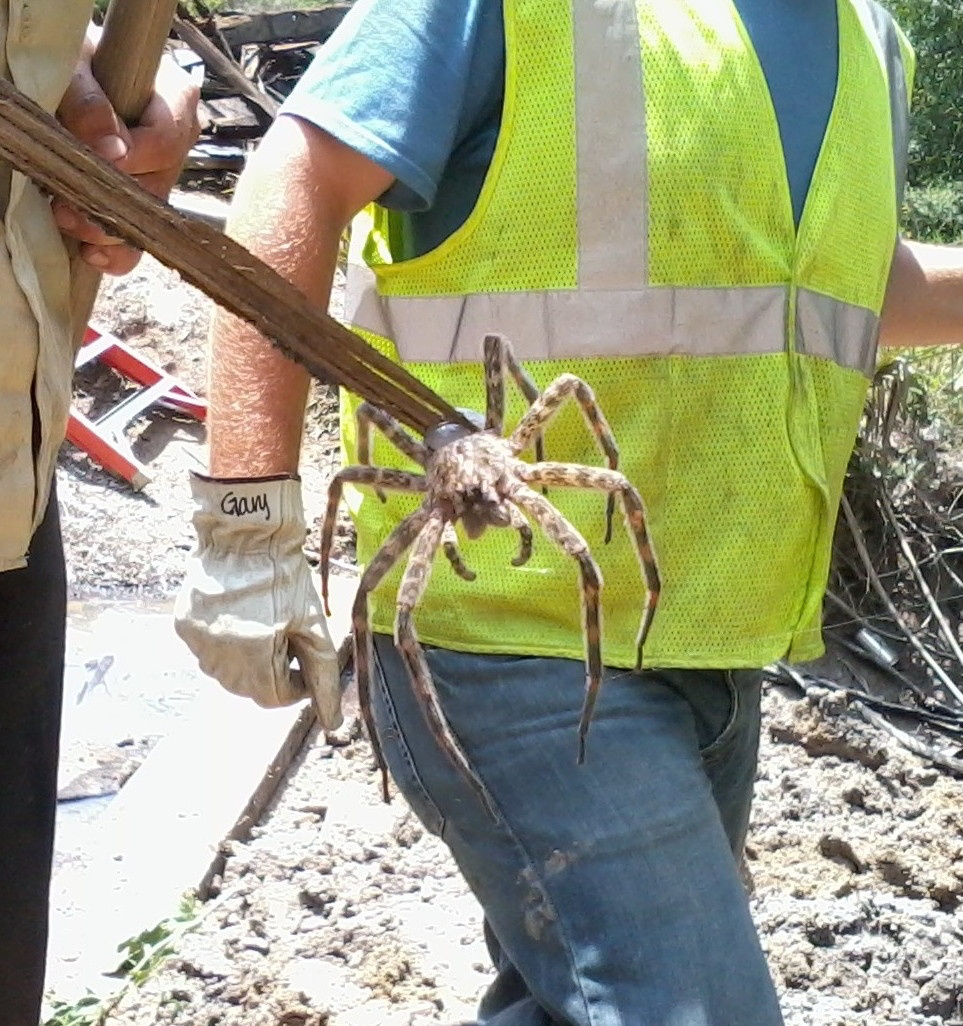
(477, 478)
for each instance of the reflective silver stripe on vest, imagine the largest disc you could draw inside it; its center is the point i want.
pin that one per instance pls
(836, 331)
(646, 322)
(575, 324)
(611, 147)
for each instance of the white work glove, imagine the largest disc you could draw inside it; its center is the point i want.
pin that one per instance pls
(249, 605)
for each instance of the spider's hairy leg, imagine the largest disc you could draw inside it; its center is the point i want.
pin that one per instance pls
(520, 524)
(568, 539)
(493, 363)
(413, 585)
(370, 416)
(499, 357)
(568, 386)
(378, 477)
(384, 559)
(567, 475)
(449, 541)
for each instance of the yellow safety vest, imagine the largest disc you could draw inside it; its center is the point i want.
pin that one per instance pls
(636, 228)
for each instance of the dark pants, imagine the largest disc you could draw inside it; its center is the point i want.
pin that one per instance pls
(32, 628)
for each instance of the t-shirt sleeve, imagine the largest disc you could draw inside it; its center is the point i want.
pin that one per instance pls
(401, 82)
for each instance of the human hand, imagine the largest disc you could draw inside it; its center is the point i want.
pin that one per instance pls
(152, 151)
(249, 603)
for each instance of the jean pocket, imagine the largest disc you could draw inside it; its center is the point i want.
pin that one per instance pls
(398, 755)
(727, 708)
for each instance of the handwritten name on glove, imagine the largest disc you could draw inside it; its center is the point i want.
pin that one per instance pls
(249, 604)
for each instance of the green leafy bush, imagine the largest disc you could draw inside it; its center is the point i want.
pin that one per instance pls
(934, 212)
(935, 28)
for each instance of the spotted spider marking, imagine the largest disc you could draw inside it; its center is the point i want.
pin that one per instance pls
(478, 479)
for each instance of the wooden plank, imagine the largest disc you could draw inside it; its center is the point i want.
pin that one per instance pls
(125, 65)
(282, 26)
(209, 779)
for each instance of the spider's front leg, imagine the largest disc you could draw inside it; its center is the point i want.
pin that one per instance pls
(370, 416)
(376, 477)
(544, 408)
(413, 585)
(382, 561)
(449, 541)
(568, 475)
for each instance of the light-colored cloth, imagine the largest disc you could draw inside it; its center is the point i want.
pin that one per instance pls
(41, 40)
(249, 604)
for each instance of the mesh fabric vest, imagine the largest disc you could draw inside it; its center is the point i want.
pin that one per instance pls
(637, 230)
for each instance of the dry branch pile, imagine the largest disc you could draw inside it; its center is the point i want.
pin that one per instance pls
(249, 63)
(895, 603)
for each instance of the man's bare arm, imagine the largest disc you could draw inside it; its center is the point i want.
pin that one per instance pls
(293, 201)
(924, 297)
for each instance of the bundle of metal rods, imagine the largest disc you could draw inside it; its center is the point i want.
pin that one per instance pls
(37, 145)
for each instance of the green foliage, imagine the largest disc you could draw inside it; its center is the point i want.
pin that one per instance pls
(142, 956)
(935, 28)
(934, 392)
(88, 1011)
(934, 212)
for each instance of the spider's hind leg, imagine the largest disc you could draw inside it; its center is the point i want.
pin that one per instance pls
(382, 561)
(565, 475)
(571, 542)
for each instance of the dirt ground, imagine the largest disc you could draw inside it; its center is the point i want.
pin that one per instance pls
(342, 911)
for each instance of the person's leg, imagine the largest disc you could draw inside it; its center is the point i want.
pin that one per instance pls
(32, 628)
(726, 711)
(610, 889)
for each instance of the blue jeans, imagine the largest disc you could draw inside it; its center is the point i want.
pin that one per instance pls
(611, 893)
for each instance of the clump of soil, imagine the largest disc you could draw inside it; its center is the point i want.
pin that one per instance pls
(344, 911)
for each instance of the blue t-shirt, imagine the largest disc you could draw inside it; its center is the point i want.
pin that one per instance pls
(417, 87)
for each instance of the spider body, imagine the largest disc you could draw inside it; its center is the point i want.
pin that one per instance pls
(469, 478)
(478, 479)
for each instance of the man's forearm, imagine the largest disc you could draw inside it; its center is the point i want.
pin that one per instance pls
(258, 396)
(924, 297)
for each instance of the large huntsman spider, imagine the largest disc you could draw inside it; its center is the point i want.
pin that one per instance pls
(478, 478)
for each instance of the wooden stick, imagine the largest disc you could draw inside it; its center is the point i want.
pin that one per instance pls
(125, 64)
(37, 146)
(944, 625)
(223, 67)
